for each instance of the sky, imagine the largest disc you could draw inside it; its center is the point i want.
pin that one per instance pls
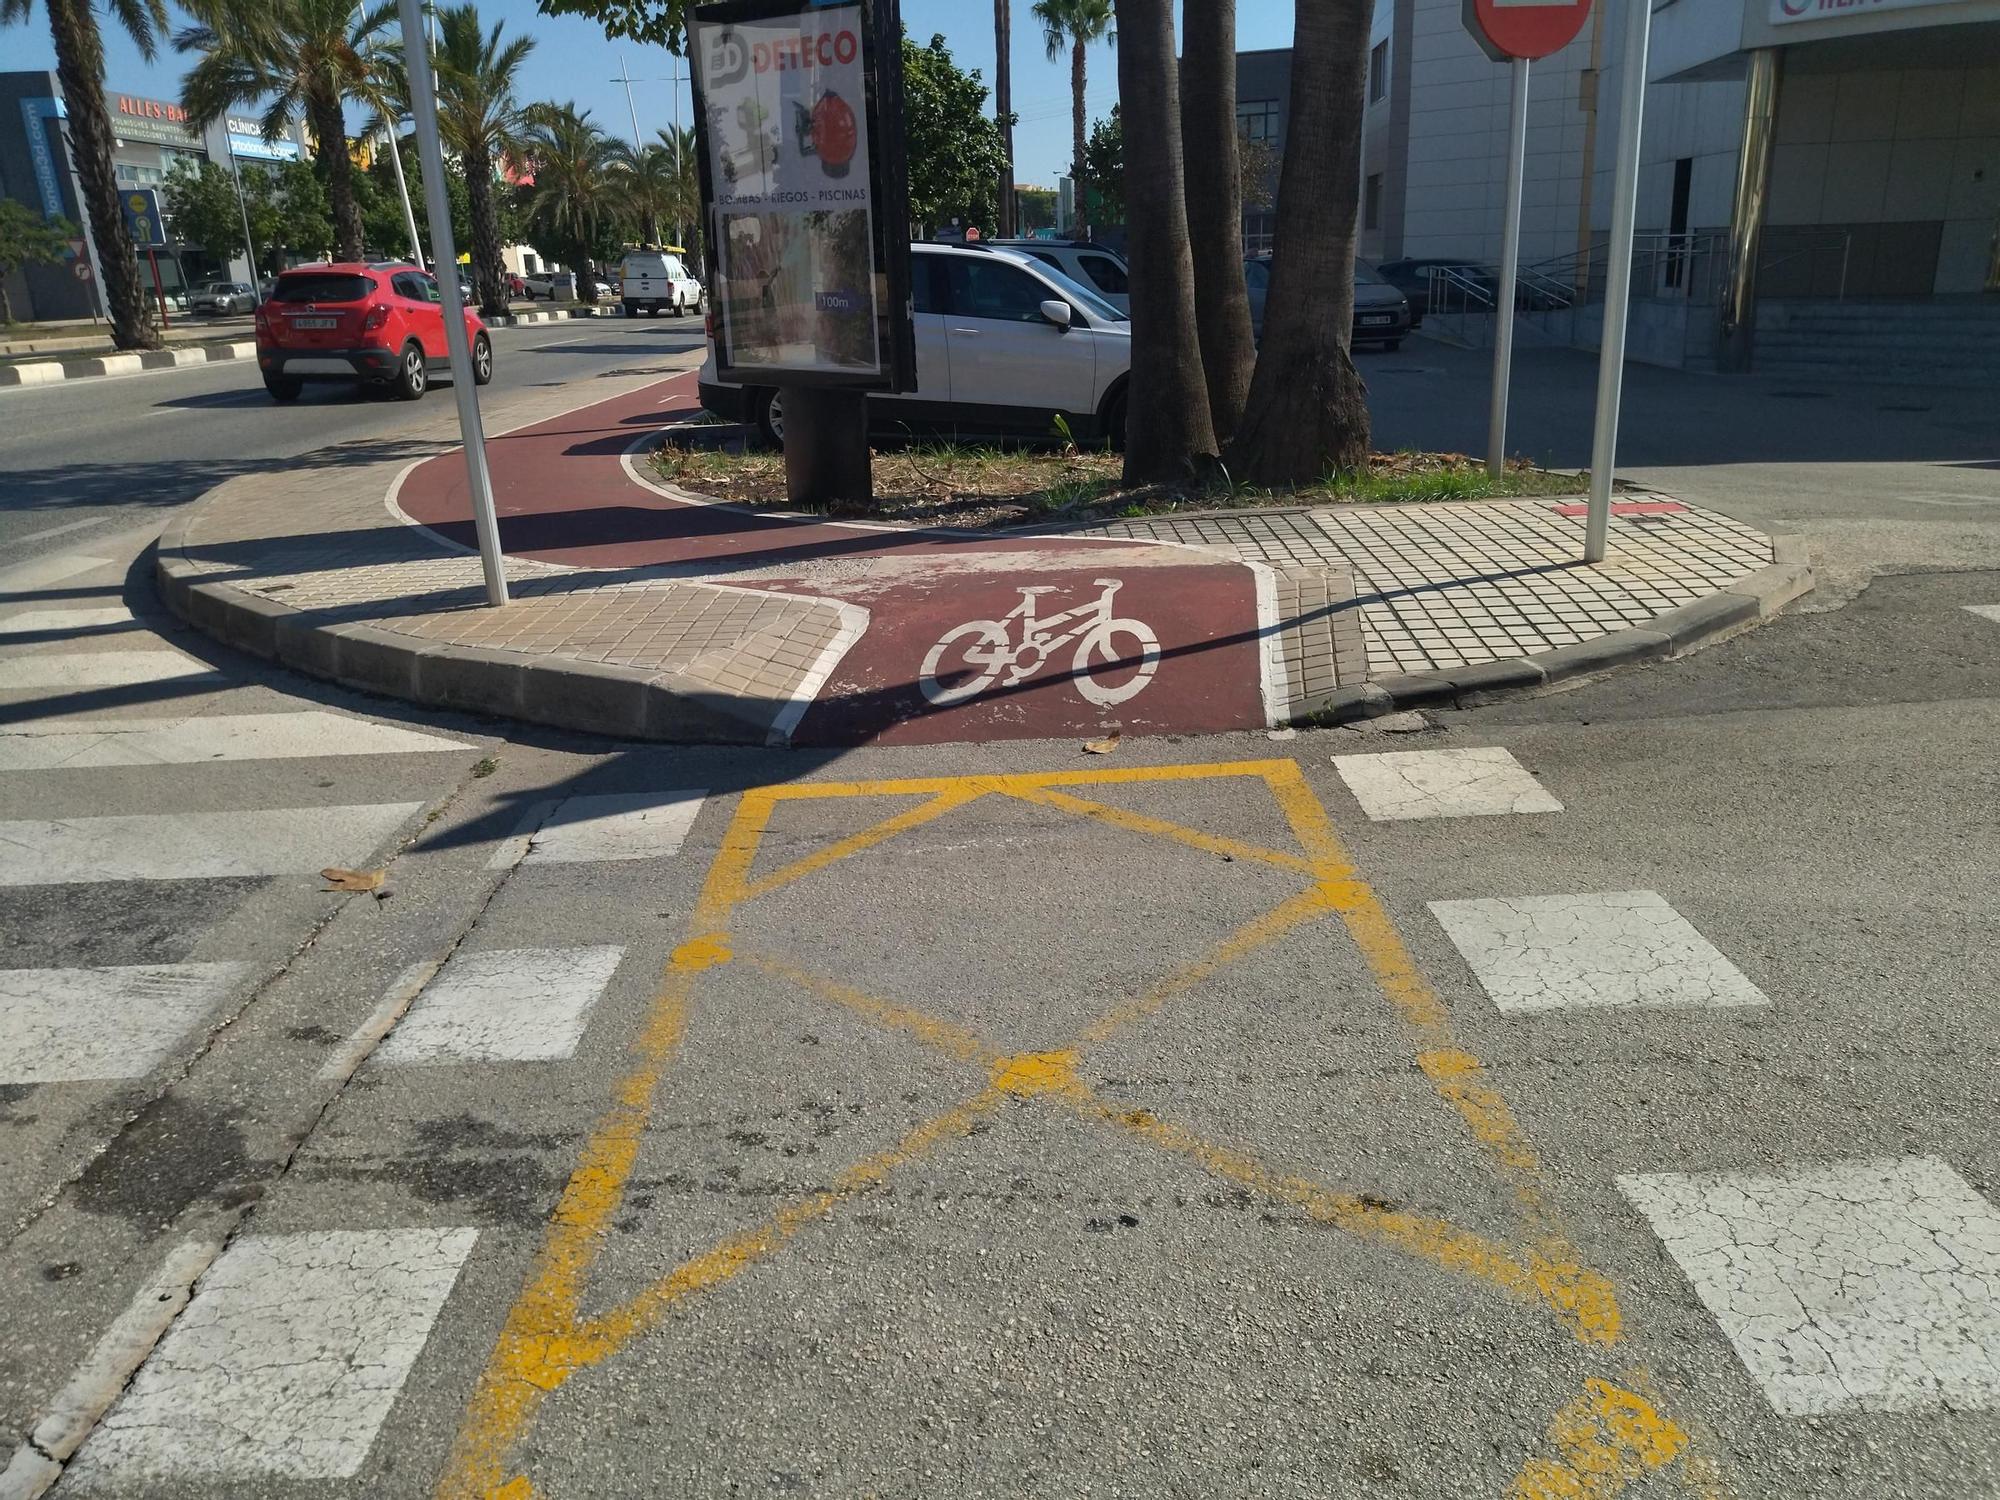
(573, 60)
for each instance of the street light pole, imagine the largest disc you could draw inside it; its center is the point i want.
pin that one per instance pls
(444, 254)
(396, 158)
(249, 240)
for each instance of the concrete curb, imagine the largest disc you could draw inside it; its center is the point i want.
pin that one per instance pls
(584, 697)
(1748, 601)
(48, 372)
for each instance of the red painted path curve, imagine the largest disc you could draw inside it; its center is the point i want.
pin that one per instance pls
(563, 495)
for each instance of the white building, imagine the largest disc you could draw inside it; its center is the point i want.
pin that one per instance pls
(1820, 177)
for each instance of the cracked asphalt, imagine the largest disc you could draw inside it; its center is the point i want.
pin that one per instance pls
(1002, 1120)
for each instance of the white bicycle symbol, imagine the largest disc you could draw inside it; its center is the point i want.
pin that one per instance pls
(971, 657)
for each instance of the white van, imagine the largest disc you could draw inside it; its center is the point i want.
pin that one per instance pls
(653, 279)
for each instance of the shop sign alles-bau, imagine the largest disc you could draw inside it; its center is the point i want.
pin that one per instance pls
(798, 111)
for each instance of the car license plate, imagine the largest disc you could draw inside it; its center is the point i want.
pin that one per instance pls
(1376, 320)
(315, 322)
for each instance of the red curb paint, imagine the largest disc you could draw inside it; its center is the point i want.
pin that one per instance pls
(563, 496)
(1624, 508)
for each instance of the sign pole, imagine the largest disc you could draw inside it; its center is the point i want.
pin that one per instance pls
(159, 294)
(444, 255)
(249, 240)
(1510, 267)
(1618, 279)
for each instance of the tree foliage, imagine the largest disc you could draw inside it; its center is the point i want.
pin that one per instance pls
(287, 206)
(28, 239)
(663, 23)
(954, 147)
(1104, 165)
(578, 206)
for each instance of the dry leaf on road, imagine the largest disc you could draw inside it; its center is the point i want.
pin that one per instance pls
(1104, 746)
(338, 879)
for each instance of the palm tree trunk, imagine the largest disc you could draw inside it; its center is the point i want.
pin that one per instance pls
(1079, 176)
(330, 144)
(1308, 409)
(1215, 208)
(1166, 423)
(1003, 107)
(80, 67)
(486, 282)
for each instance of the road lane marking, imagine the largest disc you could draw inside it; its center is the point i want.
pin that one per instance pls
(505, 1005)
(1471, 783)
(326, 1324)
(45, 572)
(63, 530)
(615, 826)
(52, 621)
(186, 846)
(1599, 950)
(66, 744)
(1853, 1286)
(1985, 611)
(93, 669)
(1604, 1441)
(85, 1025)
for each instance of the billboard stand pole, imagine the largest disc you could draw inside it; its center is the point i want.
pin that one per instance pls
(159, 293)
(826, 446)
(1510, 269)
(444, 256)
(1618, 279)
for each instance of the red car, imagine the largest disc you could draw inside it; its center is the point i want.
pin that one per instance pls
(376, 324)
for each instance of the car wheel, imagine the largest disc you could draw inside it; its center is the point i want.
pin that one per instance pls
(482, 360)
(771, 418)
(412, 377)
(283, 388)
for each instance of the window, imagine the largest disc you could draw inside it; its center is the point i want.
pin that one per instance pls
(982, 288)
(1371, 202)
(1106, 274)
(404, 284)
(923, 284)
(1259, 231)
(1258, 119)
(321, 286)
(1378, 72)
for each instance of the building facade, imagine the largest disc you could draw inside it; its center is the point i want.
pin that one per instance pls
(151, 135)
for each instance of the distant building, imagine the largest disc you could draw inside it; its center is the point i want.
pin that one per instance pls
(1263, 110)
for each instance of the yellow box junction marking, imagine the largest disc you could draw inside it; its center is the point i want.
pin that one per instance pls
(547, 1339)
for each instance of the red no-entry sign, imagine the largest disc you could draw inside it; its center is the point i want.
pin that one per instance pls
(1524, 28)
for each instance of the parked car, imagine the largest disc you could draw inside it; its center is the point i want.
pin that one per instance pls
(516, 287)
(224, 297)
(1094, 265)
(373, 324)
(1381, 313)
(544, 284)
(1005, 345)
(649, 280)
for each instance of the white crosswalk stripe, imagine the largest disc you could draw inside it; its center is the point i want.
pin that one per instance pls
(58, 744)
(50, 621)
(620, 826)
(329, 1321)
(511, 1005)
(82, 1025)
(91, 669)
(1474, 783)
(1985, 611)
(182, 846)
(46, 572)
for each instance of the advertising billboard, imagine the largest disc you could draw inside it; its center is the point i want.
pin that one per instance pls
(798, 121)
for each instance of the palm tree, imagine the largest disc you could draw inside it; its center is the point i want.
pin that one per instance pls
(683, 206)
(1003, 107)
(80, 68)
(1073, 25)
(1210, 140)
(580, 194)
(481, 122)
(659, 183)
(294, 57)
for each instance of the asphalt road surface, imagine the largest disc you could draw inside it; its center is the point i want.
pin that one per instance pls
(1600, 1105)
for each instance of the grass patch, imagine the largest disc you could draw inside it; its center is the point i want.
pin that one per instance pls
(948, 484)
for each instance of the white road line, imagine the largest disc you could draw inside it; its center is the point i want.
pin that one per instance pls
(1598, 950)
(68, 744)
(626, 825)
(1473, 783)
(63, 530)
(46, 572)
(1845, 1286)
(91, 669)
(513, 1005)
(187, 846)
(43, 621)
(80, 1025)
(1985, 611)
(327, 1323)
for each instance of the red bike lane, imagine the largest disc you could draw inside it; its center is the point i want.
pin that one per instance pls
(969, 636)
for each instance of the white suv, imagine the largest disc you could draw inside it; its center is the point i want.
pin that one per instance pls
(653, 279)
(1005, 346)
(1096, 266)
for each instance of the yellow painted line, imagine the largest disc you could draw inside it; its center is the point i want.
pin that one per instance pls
(1013, 785)
(939, 804)
(925, 1027)
(1602, 1442)
(1119, 817)
(1247, 939)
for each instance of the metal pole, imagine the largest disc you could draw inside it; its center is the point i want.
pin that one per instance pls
(153, 260)
(1618, 278)
(625, 77)
(1510, 268)
(423, 105)
(249, 240)
(403, 187)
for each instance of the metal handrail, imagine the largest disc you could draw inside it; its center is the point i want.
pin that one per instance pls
(1843, 242)
(1445, 282)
